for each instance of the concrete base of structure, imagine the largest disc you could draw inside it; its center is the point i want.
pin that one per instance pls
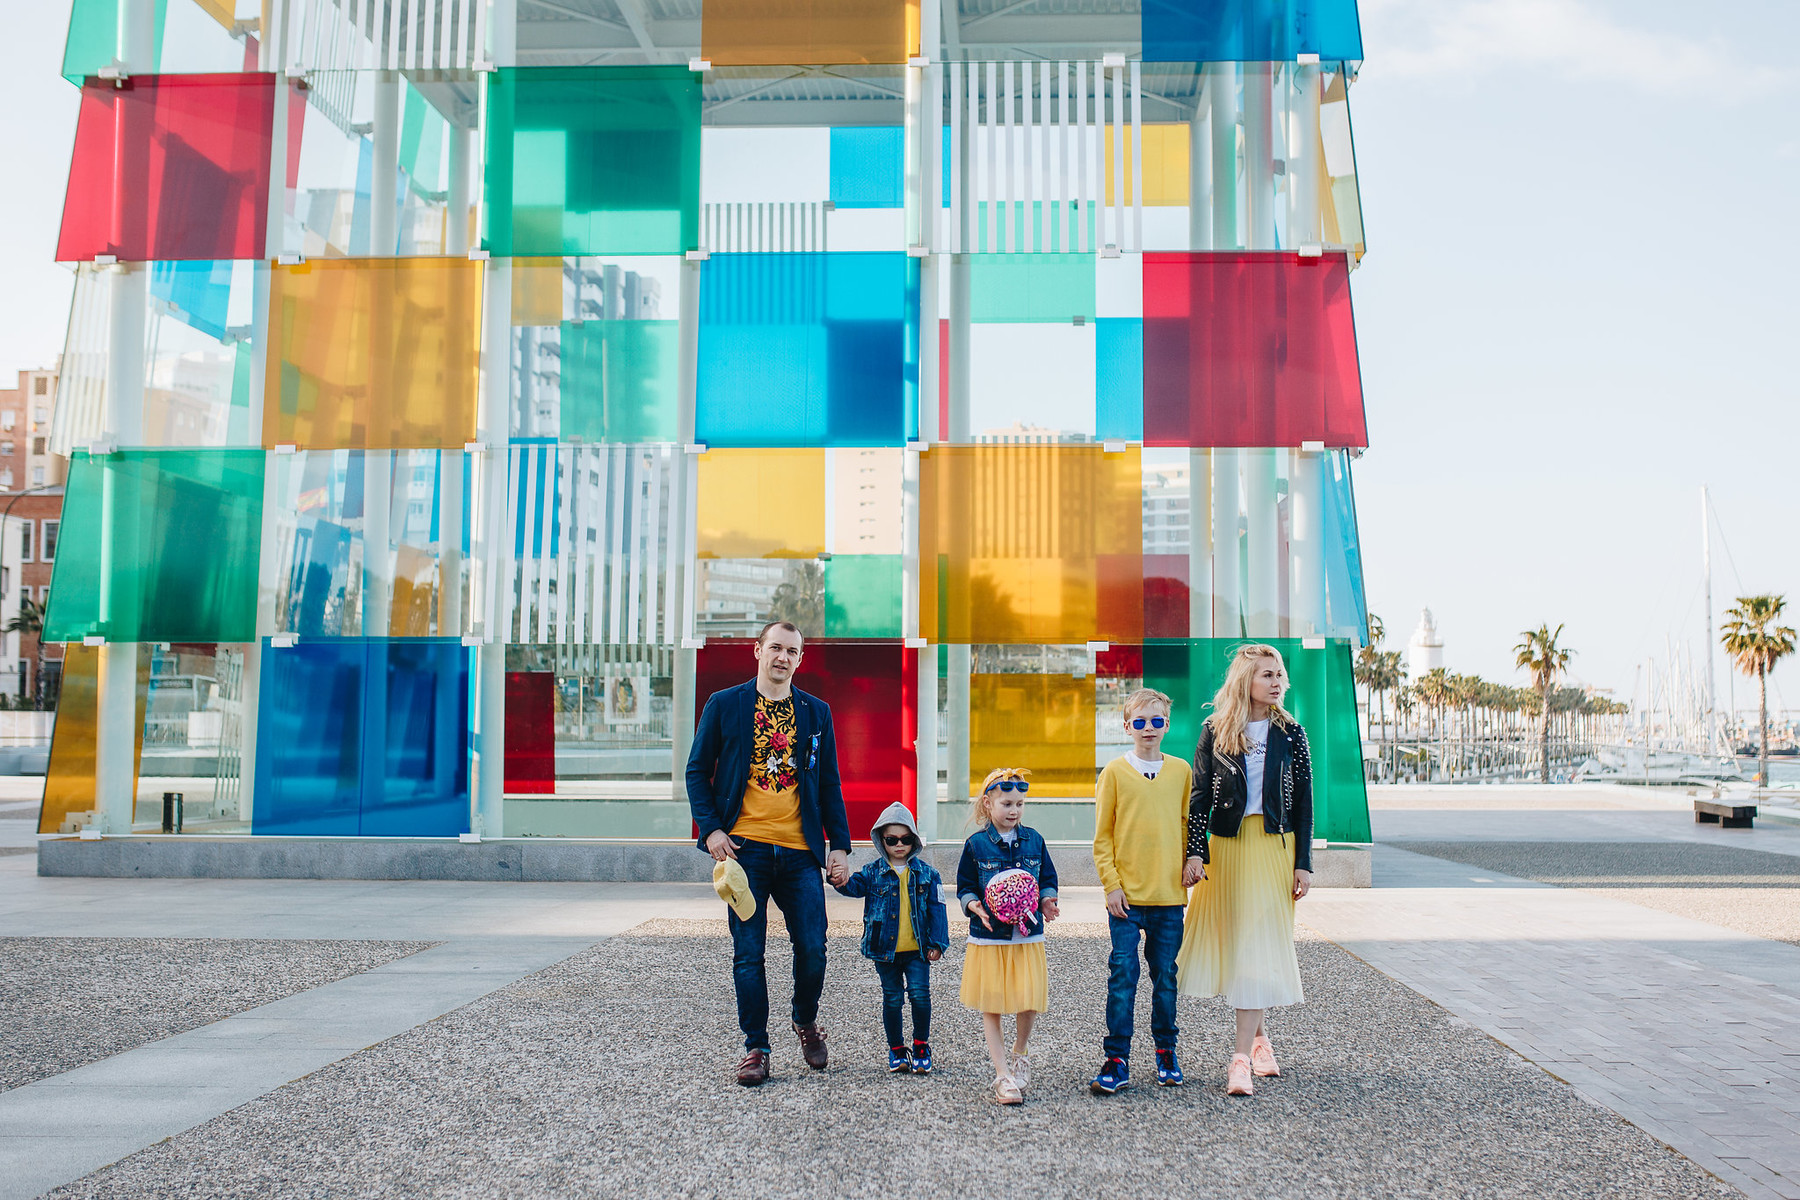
(525, 860)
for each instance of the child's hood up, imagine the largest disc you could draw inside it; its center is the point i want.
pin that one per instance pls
(896, 814)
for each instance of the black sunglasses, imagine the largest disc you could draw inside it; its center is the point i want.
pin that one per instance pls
(1009, 785)
(905, 839)
(1155, 722)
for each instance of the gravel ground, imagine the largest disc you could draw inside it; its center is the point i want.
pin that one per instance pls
(1751, 891)
(69, 1001)
(609, 1075)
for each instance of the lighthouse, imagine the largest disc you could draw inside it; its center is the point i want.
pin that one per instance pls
(1425, 653)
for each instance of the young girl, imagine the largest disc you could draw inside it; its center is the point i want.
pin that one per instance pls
(1003, 968)
(1250, 824)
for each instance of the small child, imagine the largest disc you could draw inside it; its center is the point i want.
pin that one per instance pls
(905, 930)
(1004, 968)
(1140, 840)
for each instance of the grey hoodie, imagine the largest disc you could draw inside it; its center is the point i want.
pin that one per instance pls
(895, 814)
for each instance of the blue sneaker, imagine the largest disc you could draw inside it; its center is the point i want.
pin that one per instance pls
(898, 1062)
(921, 1058)
(1114, 1074)
(1168, 1071)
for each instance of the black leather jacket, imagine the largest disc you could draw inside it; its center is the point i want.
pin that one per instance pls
(1216, 804)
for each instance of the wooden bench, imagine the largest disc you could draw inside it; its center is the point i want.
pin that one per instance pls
(1730, 816)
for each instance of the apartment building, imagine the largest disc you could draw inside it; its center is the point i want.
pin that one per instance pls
(30, 523)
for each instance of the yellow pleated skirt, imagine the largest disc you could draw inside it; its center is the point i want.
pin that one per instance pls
(1005, 979)
(1238, 941)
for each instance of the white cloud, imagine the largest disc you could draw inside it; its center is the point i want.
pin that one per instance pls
(1414, 38)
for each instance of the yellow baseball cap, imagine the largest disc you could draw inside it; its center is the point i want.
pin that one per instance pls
(733, 887)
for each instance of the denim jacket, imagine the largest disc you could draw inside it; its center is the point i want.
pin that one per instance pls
(878, 885)
(984, 856)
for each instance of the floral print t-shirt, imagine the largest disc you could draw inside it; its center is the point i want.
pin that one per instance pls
(771, 811)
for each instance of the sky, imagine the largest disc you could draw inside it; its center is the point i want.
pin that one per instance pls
(1572, 315)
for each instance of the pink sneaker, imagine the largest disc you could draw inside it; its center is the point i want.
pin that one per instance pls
(1262, 1057)
(1237, 1076)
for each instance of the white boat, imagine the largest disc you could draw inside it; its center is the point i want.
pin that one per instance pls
(1635, 764)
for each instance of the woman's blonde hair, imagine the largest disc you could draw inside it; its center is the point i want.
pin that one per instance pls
(1231, 707)
(979, 815)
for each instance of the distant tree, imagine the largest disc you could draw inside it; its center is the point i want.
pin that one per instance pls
(1539, 653)
(1756, 643)
(800, 599)
(29, 622)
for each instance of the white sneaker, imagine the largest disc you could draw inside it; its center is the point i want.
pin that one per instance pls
(1020, 1065)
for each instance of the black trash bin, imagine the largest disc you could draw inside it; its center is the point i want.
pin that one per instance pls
(171, 812)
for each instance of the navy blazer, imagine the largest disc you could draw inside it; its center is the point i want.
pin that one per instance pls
(718, 768)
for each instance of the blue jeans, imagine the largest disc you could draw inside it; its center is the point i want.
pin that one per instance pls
(1160, 925)
(791, 879)
(907, 977)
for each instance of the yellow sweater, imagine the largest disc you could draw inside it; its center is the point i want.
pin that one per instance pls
(1140, 830)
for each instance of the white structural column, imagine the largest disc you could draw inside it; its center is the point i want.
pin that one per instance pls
(1200, 237)
(1222, 108)
(1227, 594)
(1262, 563)
(1306, 488)
(115, 749)
(929, 133)
(956, 656)
(456, 213)
(683, 493)
(490, 467)
(1226, 609)
(451, 463)
(378, 465)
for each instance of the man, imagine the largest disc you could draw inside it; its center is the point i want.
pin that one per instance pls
(763, 785)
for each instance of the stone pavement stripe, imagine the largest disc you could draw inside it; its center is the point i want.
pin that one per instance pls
(1598, 992)
(59, 1129)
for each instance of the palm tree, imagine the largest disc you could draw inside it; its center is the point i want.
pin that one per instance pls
(1434, 692)
(29, 622)
(1539, 654)
(1756, 644)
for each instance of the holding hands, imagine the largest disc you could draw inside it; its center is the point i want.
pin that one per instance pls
(1192, 872)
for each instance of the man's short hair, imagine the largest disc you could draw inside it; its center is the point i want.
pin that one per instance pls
(787, 625)
(1145, 696)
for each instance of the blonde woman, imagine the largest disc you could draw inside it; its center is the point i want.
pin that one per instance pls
(1250, 821)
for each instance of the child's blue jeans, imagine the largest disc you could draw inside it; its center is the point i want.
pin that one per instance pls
(1160, 925)
(907, 977)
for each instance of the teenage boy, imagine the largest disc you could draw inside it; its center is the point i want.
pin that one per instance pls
(1140, 838)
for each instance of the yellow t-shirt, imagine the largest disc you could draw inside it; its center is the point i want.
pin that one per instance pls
(1140, 830)
(771, 810)
(905, 939)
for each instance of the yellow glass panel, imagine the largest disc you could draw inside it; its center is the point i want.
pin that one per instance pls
(1030, 544)
(761, 503)
(69, 780)
(537, 291)
(757, 33)
(1042, 722)
(415, 592)
(373, 353)
(1165, 166)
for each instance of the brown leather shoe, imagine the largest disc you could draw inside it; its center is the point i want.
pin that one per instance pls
(812, 1045)
(754, 1070)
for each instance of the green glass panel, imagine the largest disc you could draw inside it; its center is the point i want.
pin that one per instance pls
(1032, 287)
(862, 596)
(159, 546)
(94, 37)
(619, 380)
(1322, 698)
(592, 160)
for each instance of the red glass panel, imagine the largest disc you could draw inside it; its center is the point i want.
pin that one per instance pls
(1166, 595)
(1250, 349)
(170, 167)
(1120, 662)
(871, 688)
(531, 732)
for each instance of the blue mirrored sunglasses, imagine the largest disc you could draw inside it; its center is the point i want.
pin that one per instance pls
(1155, 722)
(1009, 785)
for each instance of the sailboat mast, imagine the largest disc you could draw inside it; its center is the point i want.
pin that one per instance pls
(1712, 724)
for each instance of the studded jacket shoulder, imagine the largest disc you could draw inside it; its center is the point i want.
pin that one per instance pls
(1217, 802)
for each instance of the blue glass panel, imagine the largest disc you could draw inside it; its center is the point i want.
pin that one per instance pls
(200, 292)
(1347, 610)
(808, 349)
(1250, 30)
(868, 167)
(1119, 378)
(364, 738)
(309, 739)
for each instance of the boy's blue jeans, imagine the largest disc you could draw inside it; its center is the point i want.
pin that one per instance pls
(1160, 926)
(907, 977)
(791, 879)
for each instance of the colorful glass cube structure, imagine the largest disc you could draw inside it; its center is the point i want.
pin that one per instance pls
(449, 414)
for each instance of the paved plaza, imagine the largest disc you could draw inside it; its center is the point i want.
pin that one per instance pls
(1469, 1031)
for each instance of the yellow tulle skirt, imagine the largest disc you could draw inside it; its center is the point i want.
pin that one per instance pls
(1239, 938)
(1005, 979)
